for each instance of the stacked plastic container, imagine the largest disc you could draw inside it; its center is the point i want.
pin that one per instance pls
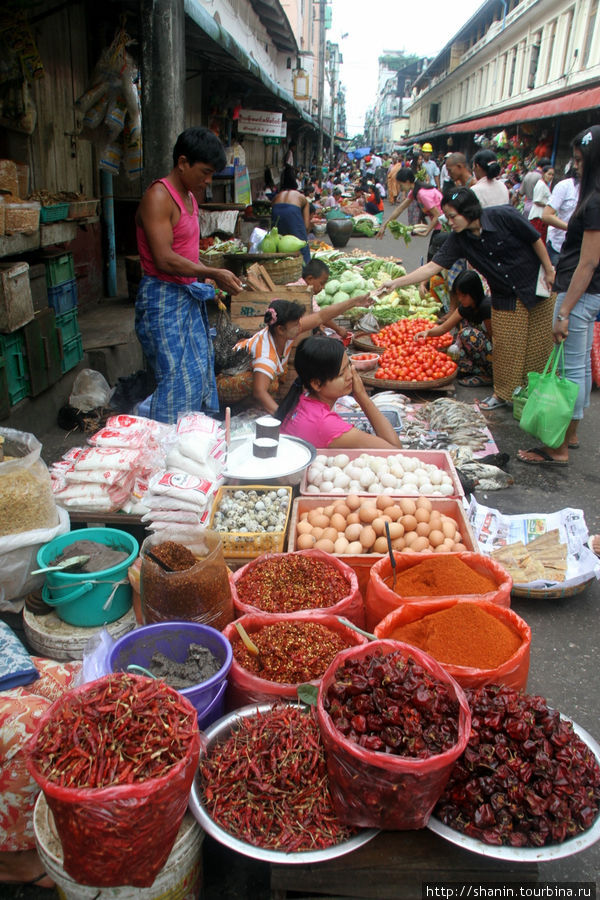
(62, 297)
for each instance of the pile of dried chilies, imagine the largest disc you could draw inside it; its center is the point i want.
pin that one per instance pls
(292, 582)
(124, 730)
(267, 784)
(525, 778)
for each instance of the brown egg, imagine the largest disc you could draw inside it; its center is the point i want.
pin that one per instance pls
(422, 515)
(409, 523)
(330, 534)
(367, 512)
(338, 522)
(304, 527)
(436, 537)
(424, 503)
(435, 519)
(317, 532)
(303, 516)
(459, 548)
(410, 537)
(305, 542)
(380, 545)
(353, 501)
(341, 546)
(383, 501)
(379, 524)
(352, 518)
(449, 528)
(318, 518)
(419, 545)
(341, 509)
(324, 545)
(353, 531)
(396, 530)
(448, 543)
(394, 512)
(408, 507)
(329, 510)
(354, 547)
(398, 544)
(367, 537)
(423, 529)
(441, 548)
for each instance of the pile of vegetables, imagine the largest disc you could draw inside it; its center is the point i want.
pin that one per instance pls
(366, 225)
(398, 230)
(273, 242)
(350, 284)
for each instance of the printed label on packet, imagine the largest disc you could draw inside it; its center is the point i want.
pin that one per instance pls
(185, 482)
(197, 422)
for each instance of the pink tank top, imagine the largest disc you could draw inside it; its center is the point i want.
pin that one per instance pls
(186, 239)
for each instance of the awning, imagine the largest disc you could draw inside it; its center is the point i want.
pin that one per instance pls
(558, 106)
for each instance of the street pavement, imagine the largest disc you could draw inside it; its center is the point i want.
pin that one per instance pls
(564, 652)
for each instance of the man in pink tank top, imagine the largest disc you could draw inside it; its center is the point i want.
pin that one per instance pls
(170, 314)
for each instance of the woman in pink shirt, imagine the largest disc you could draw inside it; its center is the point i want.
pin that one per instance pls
(324, 375)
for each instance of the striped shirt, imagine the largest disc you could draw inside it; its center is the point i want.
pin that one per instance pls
(262, 349)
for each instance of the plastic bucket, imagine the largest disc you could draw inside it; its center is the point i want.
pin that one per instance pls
(179, 879)
(173, 639)
(89, 598)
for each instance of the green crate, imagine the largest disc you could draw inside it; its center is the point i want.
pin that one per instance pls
(72, 354)
(59, 268)
(12, 348)
(55, 213)
(68, 325)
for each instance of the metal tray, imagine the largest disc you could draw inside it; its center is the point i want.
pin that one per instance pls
(528, 854)
(243, 468)
(219, 731)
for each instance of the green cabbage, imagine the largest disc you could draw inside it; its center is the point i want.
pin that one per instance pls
(340, 296)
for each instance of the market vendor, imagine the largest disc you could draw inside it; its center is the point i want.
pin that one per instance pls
(325, 374)
(270, 347)
(290, 211)
(170, 314)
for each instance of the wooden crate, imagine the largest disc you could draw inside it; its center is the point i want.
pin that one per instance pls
(248, 308)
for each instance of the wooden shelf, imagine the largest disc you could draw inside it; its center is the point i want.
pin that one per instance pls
(45, 236)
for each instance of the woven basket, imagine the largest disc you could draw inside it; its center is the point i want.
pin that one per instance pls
(214, 260)
(284, 270)
(250, 544)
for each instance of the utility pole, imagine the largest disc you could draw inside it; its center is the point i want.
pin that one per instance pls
(321, 87)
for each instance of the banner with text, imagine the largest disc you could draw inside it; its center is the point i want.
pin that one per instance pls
(261, 122)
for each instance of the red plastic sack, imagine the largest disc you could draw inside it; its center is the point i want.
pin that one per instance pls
(596, 355)
(350, 606)
(512, 673)
(380, 790)
(122, 834)
(246, 687)
(382, 600)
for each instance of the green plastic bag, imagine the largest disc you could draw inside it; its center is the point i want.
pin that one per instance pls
(551, 401)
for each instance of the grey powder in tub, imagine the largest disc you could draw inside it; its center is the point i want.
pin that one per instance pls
(101, 557)
(199, 666)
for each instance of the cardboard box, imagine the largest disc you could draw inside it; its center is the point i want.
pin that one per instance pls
(248, 308)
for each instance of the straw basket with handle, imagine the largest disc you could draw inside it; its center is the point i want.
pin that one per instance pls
(284, 270)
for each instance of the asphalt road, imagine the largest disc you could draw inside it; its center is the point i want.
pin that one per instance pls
(564, 654)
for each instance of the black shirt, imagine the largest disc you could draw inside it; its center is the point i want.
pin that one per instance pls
(503, 253)
(586, 220)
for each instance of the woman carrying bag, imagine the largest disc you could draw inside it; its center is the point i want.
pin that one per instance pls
(578, 300)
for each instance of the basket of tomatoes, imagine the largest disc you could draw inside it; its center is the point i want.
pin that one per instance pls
(410, 361)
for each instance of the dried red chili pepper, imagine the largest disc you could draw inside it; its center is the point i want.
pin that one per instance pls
(290, 652)
(289, 583)
(267, 783)
(525, 778)
(390, 704)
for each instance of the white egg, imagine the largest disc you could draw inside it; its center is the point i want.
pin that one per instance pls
(367, 478)
(446, 478)
(387, 479)
(359, 462)
(410, 490)
(375, 488)
(436, 476)
(334, 471)
(389, 490)
(321, 459)
(341, 460)
(409, 478)
(328, 473)
(326, 487)
(426, 488)
(337, 490)
(378, 465)
(353, 472)
(317, 478)
(421, 473)
(341, 481)
(312, 489)
(354, 487)
(314, 470)
(410, 463)
(446, 490)
(397, 470)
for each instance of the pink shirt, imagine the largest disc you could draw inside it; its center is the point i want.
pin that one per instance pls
(186, 239)
(313, 421)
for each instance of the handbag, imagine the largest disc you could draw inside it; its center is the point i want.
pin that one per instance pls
(551, 401)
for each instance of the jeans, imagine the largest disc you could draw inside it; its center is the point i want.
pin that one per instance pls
(553, 254)
(578, 346)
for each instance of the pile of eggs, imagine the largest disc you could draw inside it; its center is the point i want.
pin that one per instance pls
(357, 525)
(393, 474)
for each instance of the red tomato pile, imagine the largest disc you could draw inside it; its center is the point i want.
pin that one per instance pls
(404, 330)
(405, 359)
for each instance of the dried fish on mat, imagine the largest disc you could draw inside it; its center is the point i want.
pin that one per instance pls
(445, 423)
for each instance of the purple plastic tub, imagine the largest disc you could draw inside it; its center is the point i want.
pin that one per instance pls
(173, 639)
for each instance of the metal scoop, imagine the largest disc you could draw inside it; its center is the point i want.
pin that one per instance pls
(391, 552)
(70, 563)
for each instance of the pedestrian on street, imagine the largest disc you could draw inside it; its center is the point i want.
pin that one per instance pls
(489, 189)
(170, 311)
(430, 165)
(558, 211)
(459, 170)
(541, 196)
(529, 182)
(578, 299)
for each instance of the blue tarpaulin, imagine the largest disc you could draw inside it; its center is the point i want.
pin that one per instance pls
(358, 154)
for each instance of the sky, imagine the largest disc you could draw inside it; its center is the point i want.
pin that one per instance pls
(365, 28)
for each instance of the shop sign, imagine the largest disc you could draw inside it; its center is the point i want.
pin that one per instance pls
(272, 141)
(267, 124)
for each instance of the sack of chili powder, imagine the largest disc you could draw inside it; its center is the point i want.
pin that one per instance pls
(512, 672)
(291, 647)
(382, 600)
(123, 833)
(301, 584)
(379, 788)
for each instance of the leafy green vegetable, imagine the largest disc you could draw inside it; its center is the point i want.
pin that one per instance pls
(365, 227)
(308, 693)
(400, 231)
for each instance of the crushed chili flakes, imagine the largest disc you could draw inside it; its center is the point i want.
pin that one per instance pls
(290, 652)
(289, 583)
(267, 784)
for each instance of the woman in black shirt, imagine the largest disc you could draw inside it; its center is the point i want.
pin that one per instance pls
(578, 286)
(509, 252)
